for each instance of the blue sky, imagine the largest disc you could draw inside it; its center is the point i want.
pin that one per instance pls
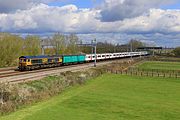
(174, 6)
(78, 3)
(93, 3)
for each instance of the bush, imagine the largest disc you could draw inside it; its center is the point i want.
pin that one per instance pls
(176, 52)
(14, 46)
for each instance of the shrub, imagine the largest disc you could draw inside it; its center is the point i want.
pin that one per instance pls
(176, 51)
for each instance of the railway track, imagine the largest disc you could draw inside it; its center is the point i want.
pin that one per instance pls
(17, 77)
(13, 76)
(15, 73)
(7, 69)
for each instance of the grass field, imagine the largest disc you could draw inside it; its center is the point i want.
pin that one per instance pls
(160, 65)
(110, 97)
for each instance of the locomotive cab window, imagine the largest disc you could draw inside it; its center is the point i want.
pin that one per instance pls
(22, 60)
(56, 59)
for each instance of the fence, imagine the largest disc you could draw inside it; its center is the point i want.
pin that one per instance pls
(165, 59)
(149, 73)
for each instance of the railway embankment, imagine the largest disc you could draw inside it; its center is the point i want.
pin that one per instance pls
(14, 96)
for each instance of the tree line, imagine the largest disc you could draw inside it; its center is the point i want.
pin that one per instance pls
(13, 46)
(105, 47)
(176, 51)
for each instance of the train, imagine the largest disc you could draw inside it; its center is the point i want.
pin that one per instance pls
(27, 63)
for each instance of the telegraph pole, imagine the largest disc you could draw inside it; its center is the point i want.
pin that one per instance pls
(94, 44)
(131, 49)
(92, 49)
(44, 43)
(42, 47)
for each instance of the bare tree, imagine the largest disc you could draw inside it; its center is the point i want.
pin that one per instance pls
(59, 43)
(72, 47)
(32, 45)
(134, 44)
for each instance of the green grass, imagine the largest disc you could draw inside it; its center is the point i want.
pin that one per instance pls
(160, 65)
(110, 97)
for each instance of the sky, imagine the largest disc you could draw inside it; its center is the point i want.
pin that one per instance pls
(154, 22)
(78, 3)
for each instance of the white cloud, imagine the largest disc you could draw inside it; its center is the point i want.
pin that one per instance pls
(42, 18)
(122, 38)
(156, 21)
(115, 10)
(7, 6)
